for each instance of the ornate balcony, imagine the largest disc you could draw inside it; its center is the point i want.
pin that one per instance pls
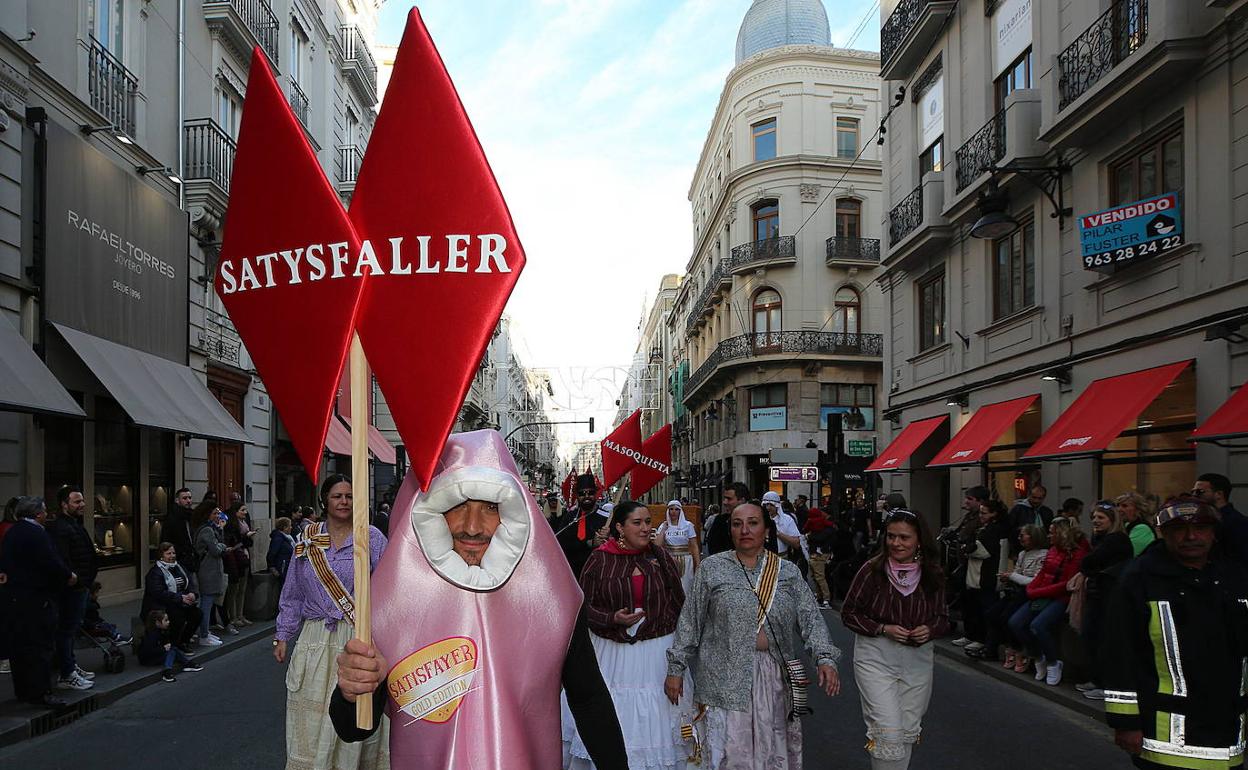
(114, 89)
(1118, 33)
(209, 153)
(349, 159)
(358, 64)
(781, 249)
(219, 340)
(299, 103)
(711, 295)
(749, 346)
(243, 25)
(910, 32)
(852, 252)
(982, 152)
(905, 217)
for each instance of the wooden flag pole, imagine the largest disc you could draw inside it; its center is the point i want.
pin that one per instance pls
(359, 521)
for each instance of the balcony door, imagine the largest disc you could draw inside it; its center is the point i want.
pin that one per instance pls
(767, 309)
(848, 219)
(846, 313)
(766, 215)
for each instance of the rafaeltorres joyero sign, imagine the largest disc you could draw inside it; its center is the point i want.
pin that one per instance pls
(1126, 234)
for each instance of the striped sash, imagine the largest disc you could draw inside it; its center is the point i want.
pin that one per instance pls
(314, 543)
(766, 588)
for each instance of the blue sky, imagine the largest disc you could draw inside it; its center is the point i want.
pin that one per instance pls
(593, 114)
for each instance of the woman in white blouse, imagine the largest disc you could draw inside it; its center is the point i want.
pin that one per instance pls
(680, 538)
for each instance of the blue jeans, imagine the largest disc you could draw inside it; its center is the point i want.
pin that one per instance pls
(205, 606)
(73, 605)
(174, 655)
(1036, 629)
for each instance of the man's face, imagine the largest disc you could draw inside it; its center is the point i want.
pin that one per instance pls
(1189, 542)
(1204, 490)
(74, 505)
(971, 504)
(1037, 495)
(586, 499)
(730, 500)
(184, 500)
(296, 515)
(472, 524)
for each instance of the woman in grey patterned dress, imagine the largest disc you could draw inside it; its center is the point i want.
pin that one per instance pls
(737, 653)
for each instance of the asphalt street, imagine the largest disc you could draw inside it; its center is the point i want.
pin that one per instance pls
(231, 716)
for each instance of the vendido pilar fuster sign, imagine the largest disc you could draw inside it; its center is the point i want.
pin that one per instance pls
(1121, 236)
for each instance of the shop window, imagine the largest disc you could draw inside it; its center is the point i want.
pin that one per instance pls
(933, 158)
(846, 312)
(160, 486)
(1008, 475)
(1154, 169)
(1154, 457)
(855, 404)
(1014, 272)
(1018, 76)
(764, 135)
(62, 456)
(846, 137)
(848, 218)
(932, 311)
(766, 218)
(767, 310)
(114, 509)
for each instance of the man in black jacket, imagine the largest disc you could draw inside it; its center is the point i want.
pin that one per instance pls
(584, 527)
(35, 575)
(719, 536)
(78, 550)
(1032, 510)
(1215, 489)
(1178, 629)
(177, 529)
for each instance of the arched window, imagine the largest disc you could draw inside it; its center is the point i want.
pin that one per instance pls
(848, 218)
(767, 319)
(766, 215)
(846, 314)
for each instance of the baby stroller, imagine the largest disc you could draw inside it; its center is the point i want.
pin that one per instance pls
(114, 659)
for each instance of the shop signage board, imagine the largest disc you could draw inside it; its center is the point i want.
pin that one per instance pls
(860, 447)
(1131, 233)
(807, 473)
(769, 418)
(1011, 33)
(116, 251)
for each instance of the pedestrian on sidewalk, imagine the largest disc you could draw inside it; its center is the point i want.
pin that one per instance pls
(313, 610)
(281, 548)
(6, 523)
(168, 587)
(1033, 548)
(157, 647)
(896, 607)
(820, 536)
(239, 539)
(633, 597)
(35, 574)
(1136, 511)
(736, 634)
(179, 529)
(78, 550)
(209, 550)
(1036, 622)
(983, 564)
(1031, 509)
(1178, 626)
(1215, 489)
(1111, 550)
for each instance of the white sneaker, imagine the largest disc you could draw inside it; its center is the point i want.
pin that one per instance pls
(1042, 669)
(5, 667)
(1086, 686)
(214, 638)
(1054, 676)
(1097, 694)
(974, 647)
(74, 682)
(961, 641)
(210, 641)
(85, 674)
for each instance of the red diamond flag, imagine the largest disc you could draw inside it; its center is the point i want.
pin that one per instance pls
(283, 275)
(656, 461)
(445, 251)
(621, 449)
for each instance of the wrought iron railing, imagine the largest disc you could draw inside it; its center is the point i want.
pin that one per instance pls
(349, 159)
(780, 247)
(114, 89)
(906, 216)
(219, 339)
(299, 102)
(703, 302)
(981, 153)
(1118, 33)
(259, 17)
(355, 53)
(810, 342)
(899, 24)
(844, 249)
(209, 152)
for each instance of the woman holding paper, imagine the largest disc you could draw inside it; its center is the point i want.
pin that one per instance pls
(316, 607)
(633, 598)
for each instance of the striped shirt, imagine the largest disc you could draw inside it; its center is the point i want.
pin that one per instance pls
(873, 603)
(608, 586)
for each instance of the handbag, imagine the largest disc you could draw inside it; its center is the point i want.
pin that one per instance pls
(795, 677)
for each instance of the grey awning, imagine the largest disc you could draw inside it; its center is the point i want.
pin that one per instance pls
(26, 385)
(155, 392)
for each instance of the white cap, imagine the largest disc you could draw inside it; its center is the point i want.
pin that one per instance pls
(772, 497)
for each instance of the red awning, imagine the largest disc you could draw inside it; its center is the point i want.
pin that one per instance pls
(380, 448)
(1103, 411)
(1230, 421)
(981, 432)
(906, 442)
(338, 438)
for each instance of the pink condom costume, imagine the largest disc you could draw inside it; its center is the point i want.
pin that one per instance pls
(476, 653)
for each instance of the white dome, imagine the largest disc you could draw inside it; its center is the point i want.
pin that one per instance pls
(775, 23)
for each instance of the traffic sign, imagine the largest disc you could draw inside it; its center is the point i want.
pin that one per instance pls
(860, 447)
(808, 473)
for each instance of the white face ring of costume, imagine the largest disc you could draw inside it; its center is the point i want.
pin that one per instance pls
(508, 543)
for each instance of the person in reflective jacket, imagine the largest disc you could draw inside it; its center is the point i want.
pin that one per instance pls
(1178, 630)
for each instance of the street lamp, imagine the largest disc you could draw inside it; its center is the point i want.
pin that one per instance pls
(994, 221)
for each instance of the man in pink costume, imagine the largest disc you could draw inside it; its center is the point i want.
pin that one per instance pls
(477, 620)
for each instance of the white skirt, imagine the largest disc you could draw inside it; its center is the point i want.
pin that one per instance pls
(895, 686)
(634, 674)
